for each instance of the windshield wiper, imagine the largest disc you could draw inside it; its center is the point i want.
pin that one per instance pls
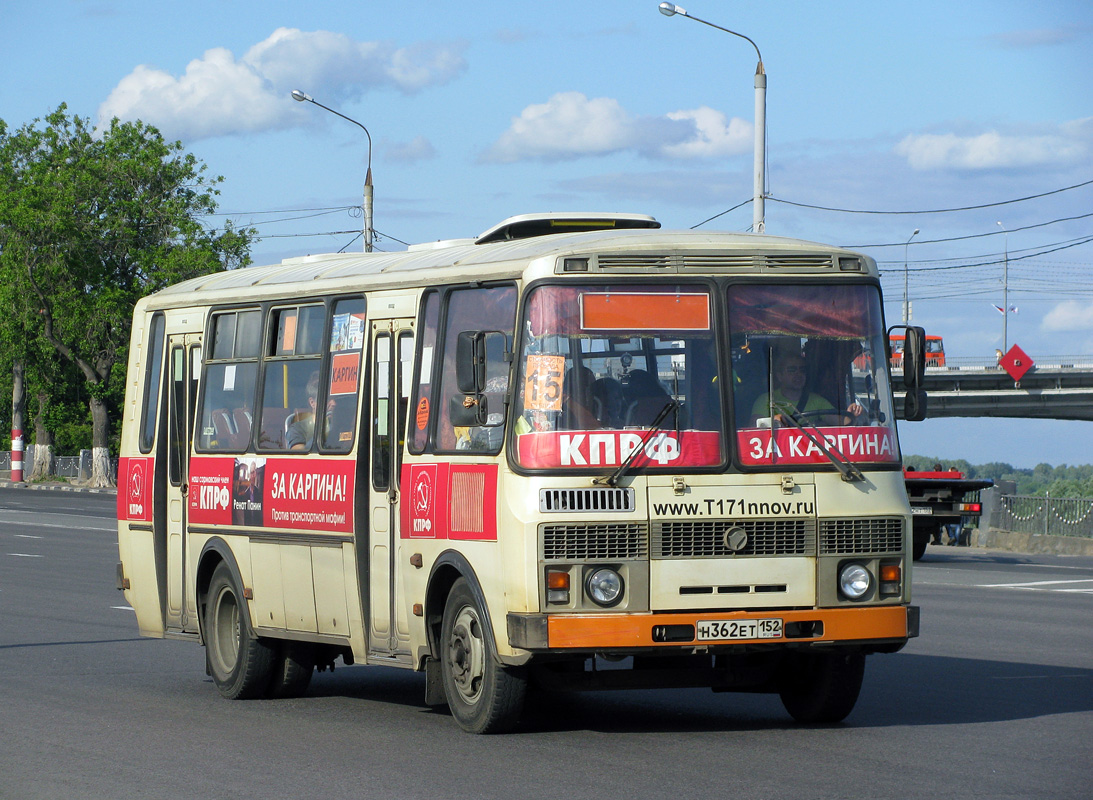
(614, 478)
(844, 465)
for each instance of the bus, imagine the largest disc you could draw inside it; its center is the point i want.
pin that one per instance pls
(554, 455)
(935, 350)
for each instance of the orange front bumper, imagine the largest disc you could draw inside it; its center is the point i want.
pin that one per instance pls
(628, 631)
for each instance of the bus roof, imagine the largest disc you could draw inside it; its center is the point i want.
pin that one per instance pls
(614, 250)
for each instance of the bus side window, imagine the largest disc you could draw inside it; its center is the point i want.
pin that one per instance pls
(346, 345)
(423, 400)
(292, 394)
(490, 309)
(154, 356)
(228, 389)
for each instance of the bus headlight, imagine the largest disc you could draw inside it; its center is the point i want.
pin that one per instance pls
(604, 585)
(854, 581)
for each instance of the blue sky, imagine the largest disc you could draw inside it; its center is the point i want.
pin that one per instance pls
(479, 111)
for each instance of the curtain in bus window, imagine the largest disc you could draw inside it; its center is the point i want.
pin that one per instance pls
(833, 311)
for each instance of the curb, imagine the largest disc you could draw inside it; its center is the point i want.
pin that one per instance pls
(57, 487)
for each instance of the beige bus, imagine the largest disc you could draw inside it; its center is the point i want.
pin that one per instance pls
(574, 442)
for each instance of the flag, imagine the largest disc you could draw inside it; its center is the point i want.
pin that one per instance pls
(1000, 310)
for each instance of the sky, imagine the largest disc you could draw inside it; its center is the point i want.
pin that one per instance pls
(970, 123)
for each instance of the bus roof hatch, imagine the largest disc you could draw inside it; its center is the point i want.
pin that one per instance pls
(525, 226)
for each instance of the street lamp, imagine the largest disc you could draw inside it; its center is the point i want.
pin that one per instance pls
(367, 206)
(1005, 290)
(758, 223)
(906, 302)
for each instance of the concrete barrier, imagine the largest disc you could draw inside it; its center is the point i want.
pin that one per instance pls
(1032, 543)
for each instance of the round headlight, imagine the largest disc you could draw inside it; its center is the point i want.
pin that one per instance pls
(854, 581)
(604, 586)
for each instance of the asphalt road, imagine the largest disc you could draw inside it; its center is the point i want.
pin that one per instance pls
(994, 700)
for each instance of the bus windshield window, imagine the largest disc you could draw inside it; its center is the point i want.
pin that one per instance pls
(809, 368)
(598, 365)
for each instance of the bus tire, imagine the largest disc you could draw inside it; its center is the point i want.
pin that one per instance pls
(241, 664)
(822, 688)
(293, 666)
(484, 696)
(920, 538)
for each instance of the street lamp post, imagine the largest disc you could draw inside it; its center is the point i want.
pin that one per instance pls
(366, 207)
(1005, 289)
(758, 196)
(906, 301)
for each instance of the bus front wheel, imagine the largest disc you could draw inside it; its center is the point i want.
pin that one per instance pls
(823, 687)
(484, 696)
(241, 664)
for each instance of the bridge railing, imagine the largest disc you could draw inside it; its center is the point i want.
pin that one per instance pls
(1081, 362)
(1053, 516)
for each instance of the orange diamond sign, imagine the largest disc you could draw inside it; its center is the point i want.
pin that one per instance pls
(1016, 363)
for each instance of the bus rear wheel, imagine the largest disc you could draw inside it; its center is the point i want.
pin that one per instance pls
(241, 664)
(822, 688)
(484, 696)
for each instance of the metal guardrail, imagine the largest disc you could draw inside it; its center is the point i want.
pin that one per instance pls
(1052, 516)
(75, 467)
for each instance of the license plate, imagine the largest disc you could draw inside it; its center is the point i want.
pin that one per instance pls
(711, 629)
(916, 510)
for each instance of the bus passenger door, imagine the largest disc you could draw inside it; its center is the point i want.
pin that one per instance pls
(392, 356)
(185, 360)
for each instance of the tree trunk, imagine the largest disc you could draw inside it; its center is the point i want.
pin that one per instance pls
(101, 473)
(43, 443)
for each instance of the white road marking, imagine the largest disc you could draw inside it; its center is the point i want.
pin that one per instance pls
(26, 555)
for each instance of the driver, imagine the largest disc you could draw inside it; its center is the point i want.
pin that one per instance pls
(791, 398)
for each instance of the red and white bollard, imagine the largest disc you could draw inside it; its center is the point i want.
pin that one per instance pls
(16, 455)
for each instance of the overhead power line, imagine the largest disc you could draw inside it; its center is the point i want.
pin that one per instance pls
(935, 210)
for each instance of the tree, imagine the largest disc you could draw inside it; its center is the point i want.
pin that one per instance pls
(90, 221)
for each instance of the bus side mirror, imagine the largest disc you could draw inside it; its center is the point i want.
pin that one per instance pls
(914, 357)
(470, 362)
(914, 405)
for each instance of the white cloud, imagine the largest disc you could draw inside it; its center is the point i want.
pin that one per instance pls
(570, 125)
(713, 135)
(219, 95)
(993, 150)
(1068, 316)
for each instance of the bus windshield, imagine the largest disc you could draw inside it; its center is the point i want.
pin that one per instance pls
(810, 376)
(600, 363)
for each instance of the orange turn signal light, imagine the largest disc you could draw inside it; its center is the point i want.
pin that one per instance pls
(890, 573)
(558, 580)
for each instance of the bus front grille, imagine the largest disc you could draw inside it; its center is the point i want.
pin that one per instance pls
(597, 499)
(716, 539)
(607, 541)
(870, 535)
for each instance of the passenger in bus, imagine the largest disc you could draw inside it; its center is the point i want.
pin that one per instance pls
(578, 412)
(791, 398)
(608, 402)
(645, 399)
(301, 430)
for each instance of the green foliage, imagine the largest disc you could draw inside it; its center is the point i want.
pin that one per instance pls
(1061, 481)
(90, 221)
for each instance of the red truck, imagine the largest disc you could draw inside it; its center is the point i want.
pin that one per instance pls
(939, 498)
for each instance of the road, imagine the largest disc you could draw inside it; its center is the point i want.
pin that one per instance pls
(995, 699)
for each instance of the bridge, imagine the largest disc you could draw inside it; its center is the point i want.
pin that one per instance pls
(1056, 387)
